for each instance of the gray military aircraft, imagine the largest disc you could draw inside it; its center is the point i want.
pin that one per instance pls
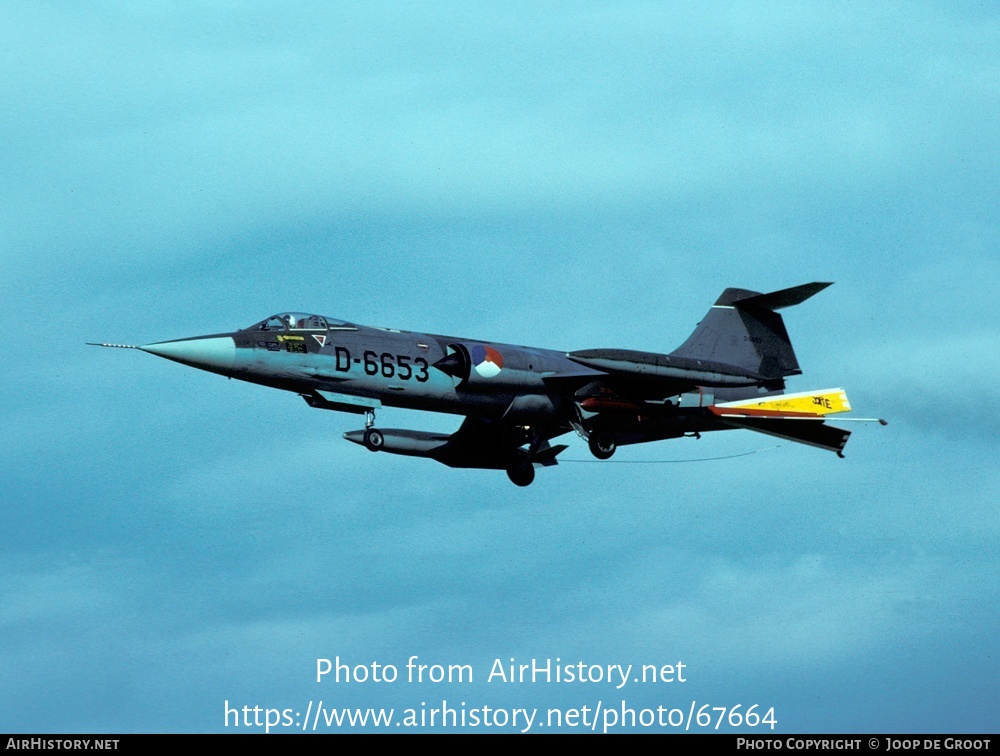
(730, 373)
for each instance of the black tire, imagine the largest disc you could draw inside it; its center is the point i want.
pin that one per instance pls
(521, 473)
(374, 440)
(602, 444)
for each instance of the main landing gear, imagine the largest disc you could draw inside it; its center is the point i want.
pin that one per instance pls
(520, 468)
(373, 438)
(521, 472)
(602, 444)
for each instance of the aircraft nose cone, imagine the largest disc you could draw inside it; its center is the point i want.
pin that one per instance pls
(215, 353)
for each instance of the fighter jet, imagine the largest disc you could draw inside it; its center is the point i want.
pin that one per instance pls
(729, 374)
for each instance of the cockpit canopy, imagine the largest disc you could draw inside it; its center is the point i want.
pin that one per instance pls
(300, 321)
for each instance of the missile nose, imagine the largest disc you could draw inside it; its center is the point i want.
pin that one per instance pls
(214, 353)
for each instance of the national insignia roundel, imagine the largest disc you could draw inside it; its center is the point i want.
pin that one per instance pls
(486, 360)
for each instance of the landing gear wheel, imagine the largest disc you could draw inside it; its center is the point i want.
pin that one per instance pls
(374, 440)
(521, 472)
(602, 444)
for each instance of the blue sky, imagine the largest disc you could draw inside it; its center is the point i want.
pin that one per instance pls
(567, 175)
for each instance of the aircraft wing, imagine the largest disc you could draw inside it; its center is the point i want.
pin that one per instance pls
(486, 443)
(479, 442)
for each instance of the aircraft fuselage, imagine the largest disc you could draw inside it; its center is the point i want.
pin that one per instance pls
(728, 374)
(395, 368)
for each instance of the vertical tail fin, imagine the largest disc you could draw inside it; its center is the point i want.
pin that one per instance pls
(743, 329)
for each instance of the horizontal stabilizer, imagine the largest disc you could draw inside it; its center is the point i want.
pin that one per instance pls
(805, 403)
(776, 300)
